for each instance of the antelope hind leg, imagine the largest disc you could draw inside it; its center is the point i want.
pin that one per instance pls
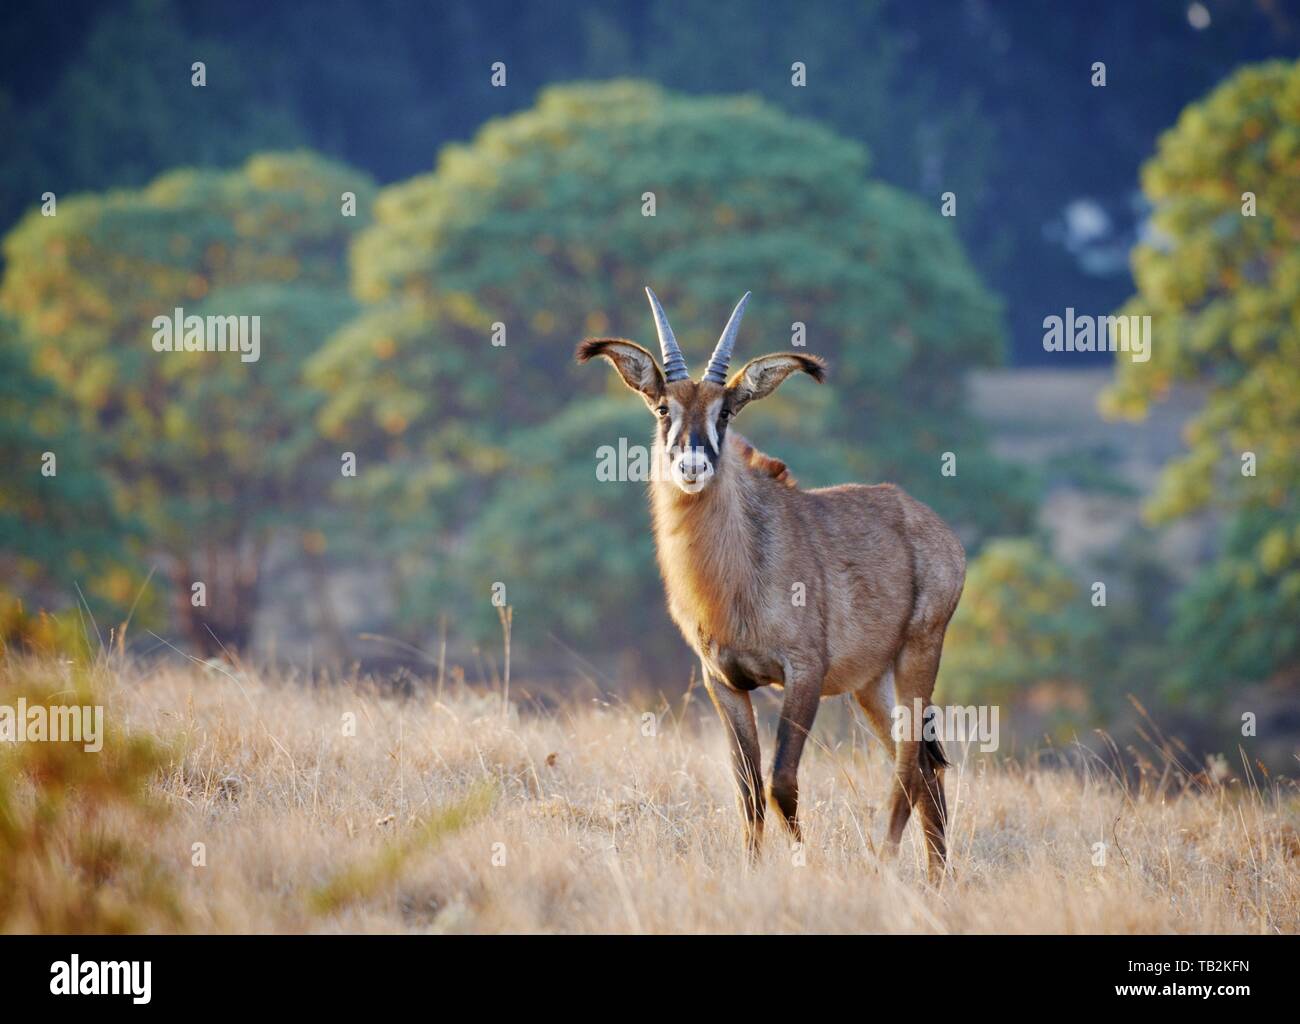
(918, 765)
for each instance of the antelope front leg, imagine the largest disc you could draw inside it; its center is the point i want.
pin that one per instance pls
(737, 714)
(797, 713)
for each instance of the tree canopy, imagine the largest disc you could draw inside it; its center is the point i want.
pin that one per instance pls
(1219, 275)
(58, 526)
(206, 449)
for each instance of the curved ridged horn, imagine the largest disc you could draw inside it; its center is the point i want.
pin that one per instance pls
(721, 358)
(674, 362)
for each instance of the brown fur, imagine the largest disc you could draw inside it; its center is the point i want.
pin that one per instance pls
(845, 589)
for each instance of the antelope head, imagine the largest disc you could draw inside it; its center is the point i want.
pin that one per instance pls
(693, 415)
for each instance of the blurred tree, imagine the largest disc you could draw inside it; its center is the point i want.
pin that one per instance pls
(539, 227)
(574, 551)
(1220, 278)
(58, 526)
(209, 451)
(1237, 620)
(1022, 622)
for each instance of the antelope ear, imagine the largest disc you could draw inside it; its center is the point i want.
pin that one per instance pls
(634, 364)
(759, 377)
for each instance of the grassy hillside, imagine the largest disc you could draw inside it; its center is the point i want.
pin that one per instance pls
(450, 814)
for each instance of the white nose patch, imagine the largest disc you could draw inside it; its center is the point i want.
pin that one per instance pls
(694, 462)
(691, 470)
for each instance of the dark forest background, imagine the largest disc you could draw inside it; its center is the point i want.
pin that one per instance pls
(990, 100)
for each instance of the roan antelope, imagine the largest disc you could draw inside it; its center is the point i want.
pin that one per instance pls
(881, 575)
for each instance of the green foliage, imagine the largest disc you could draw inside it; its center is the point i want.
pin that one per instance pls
(537, 225)
(1236, 622)
(208, 451)
(1022, 621)
(59, 529)
(1222, 289)
(576, 546)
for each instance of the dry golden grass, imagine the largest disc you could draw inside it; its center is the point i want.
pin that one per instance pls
(453, 815)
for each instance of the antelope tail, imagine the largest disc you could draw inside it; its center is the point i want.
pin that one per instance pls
(933, 750)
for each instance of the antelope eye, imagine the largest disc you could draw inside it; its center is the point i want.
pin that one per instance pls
(725, 414)
(662, 410)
